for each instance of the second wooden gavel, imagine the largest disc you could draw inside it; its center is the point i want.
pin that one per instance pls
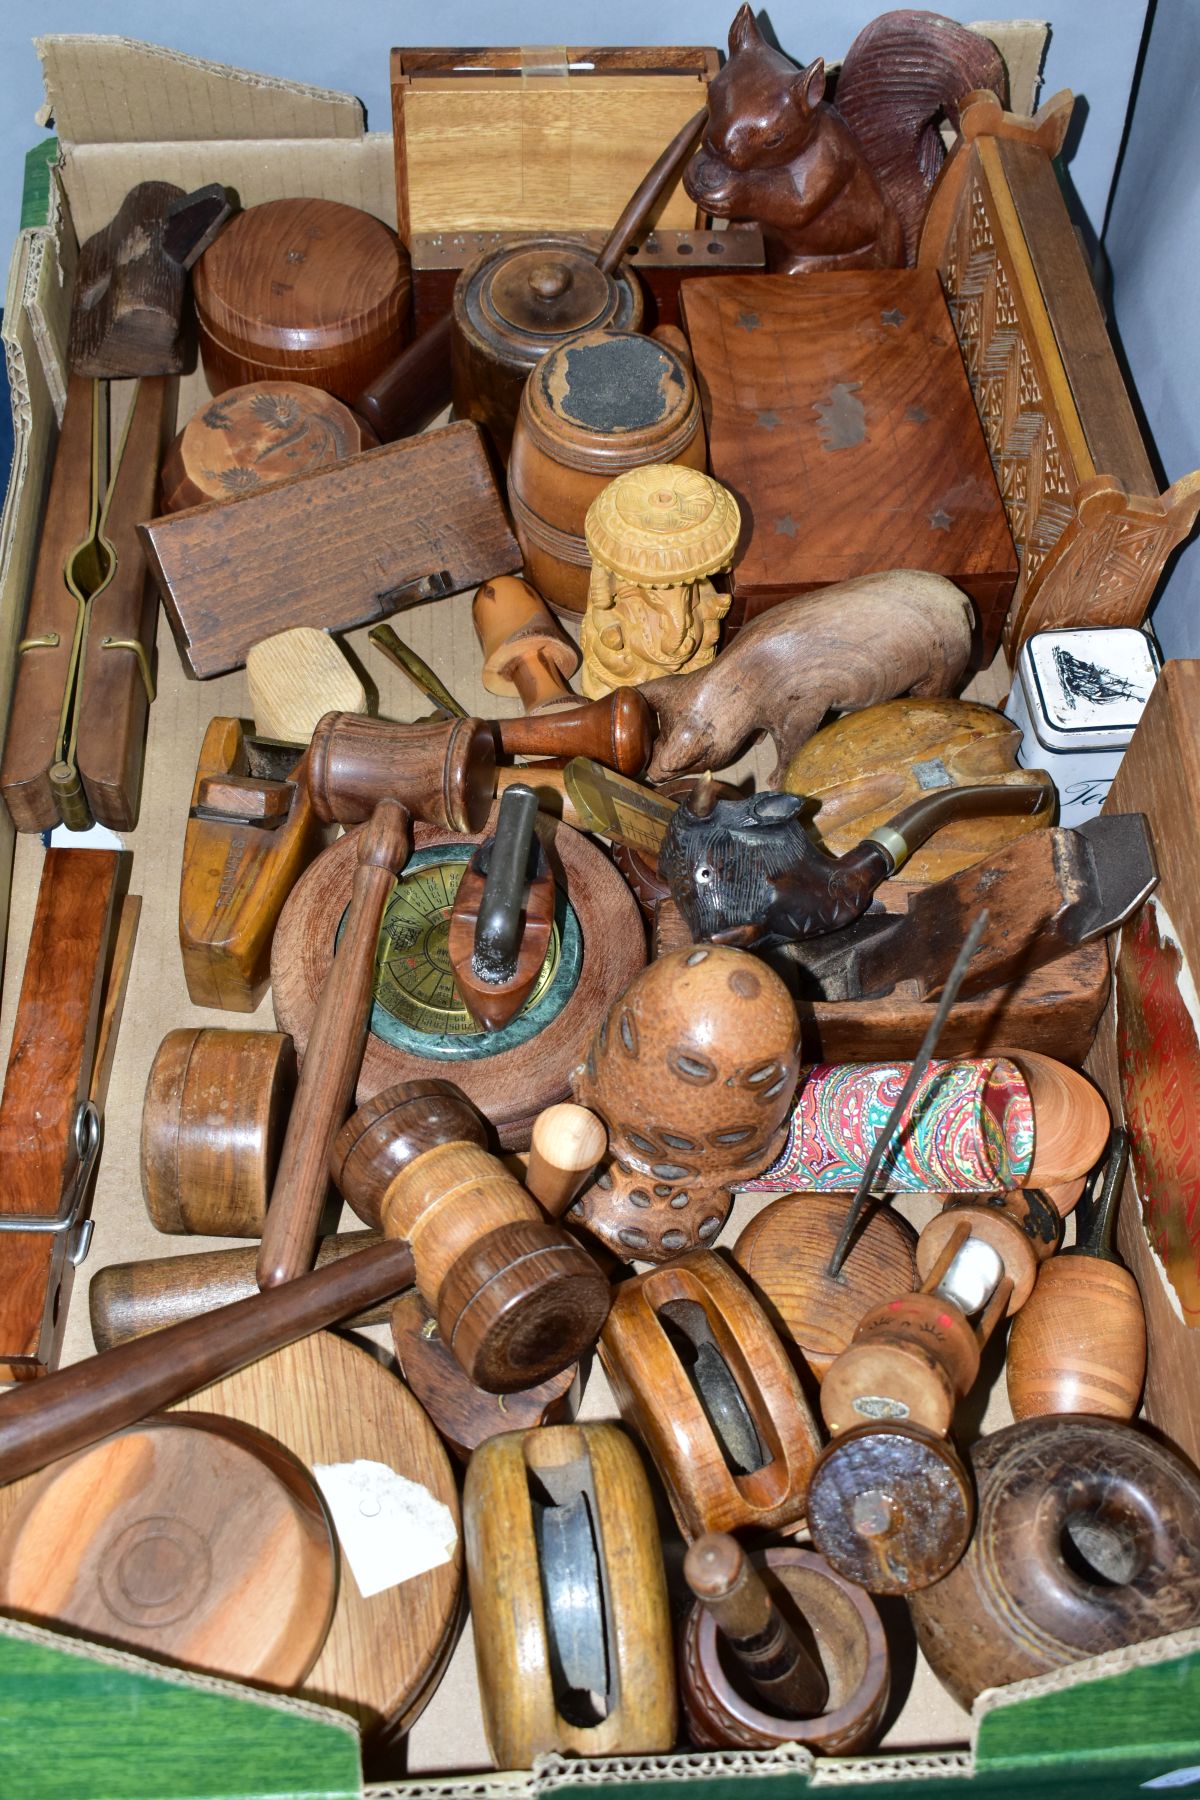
(515, 1297)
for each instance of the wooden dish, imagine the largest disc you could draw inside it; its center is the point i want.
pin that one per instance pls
(510, 1078)
(201, 1542)
(302, 290)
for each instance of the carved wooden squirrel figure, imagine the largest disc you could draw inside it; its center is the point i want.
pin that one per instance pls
(845, 186)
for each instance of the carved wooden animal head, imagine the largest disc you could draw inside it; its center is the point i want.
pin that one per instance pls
(761, 109)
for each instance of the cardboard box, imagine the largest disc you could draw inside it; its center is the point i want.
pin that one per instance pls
(1104, 1726)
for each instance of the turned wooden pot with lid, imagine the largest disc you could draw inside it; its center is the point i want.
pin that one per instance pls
(602, 404)
(303, 290)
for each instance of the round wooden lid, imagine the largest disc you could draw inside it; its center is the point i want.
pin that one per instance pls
(611, 399)
(254, 435)
(515, 303)
(296, 277)
(663, 524)
(202, 1546)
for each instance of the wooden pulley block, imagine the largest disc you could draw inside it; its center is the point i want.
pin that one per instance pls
(201, 1542)
(890, 1507)
(568, 1596)
(516, 1299)
(693, 1070)
(784, 1254)
(255, 434)
(865, 766)
(1086, 1541)
(419, 1026)
(465, 1415)
(721, 1707)
(700, 1374)
(213, 1120)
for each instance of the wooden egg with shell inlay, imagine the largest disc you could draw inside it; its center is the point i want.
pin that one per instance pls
(693, 1071)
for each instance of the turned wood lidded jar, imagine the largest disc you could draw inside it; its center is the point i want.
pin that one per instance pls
(303, 290)
(602, 404)
(513, 305)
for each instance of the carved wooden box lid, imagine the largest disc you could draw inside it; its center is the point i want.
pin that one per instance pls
(252, 435)
(662, 525)
(611, 399)
(519, 301)
(839, 411)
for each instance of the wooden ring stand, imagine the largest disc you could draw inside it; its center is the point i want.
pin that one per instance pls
(213, 1121)
(852, 1650)
(513, 1086)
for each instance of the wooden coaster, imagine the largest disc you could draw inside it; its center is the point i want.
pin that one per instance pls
(296, 677)
(256, 434)
(205, 1547)
(419, 1028)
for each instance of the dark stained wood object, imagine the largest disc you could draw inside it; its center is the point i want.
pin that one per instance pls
(443, 771)
(249, 833)
(784, 1254)
(254, 435)
(526, 654)
(49, 1129)
(465, 1415)
(890, 1506)
(782, 1672)
(343, 545)
(204, 1544)
(854, 645)
(79, 1405)
(867, 453)
(333, 1054)
(722, 1712)
(126, 1300)
(1085, 1542)
(617, 731)
(516, 1299)
(127, 313)
(503, 915)
(302, 290)
(411, 391)
(699, 1373)
(213, 1120)
(568, 1596)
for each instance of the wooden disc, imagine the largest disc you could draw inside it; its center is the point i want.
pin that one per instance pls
(254, 435)
(784, 1253)
(891, 1507)
(201, 1546)
(511, 1085)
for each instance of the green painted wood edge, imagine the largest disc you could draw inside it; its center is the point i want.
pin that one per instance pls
(35, 194)
(81, 1722)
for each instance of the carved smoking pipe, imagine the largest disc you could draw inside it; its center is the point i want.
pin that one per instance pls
(747, 872)
(516, 1299)
(503, 915)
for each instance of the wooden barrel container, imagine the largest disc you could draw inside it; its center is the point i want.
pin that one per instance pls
(303, 290)
(514, 305)
(606, 402)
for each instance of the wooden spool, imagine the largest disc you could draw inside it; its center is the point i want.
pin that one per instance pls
(591, 1591)
(526, 653)
(604, 403)
(784, 1254)
(891, 1507)
(1086, 1541)
(202, 1543)
(256, 434)
(213, 1121)
(698, 1372)
(513, 1079)
(851, 1647)
(302, 290)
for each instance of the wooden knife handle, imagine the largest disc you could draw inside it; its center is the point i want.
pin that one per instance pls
(329, 1072)
(617, 731)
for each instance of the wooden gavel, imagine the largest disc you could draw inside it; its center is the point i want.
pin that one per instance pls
(516, 1299)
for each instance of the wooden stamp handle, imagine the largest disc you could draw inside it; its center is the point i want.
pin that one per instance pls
(334, 1056)
(617, 731)
(525, 650)
(781, 1670)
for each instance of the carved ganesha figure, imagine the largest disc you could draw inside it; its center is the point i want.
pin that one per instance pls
(655, 535)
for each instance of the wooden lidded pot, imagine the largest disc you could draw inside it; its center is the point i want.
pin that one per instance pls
(303, 290)
(604, 403)
(515, 304)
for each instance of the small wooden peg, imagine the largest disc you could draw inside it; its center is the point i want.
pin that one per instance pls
(568, 1141)
(526, 652)
(780, 1669)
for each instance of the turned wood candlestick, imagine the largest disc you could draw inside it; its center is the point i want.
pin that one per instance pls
(527, 654)
(442, 771)
(726, 1712)
(1079, 1345)
(334, 1053)
(515, 1298)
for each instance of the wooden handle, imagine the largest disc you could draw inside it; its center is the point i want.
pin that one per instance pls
(568, 1142)
(617, 731)
(91, 1399)
(334, 1055)
(443, 771)
(412, 390)
(526, 652)
(781, 1670)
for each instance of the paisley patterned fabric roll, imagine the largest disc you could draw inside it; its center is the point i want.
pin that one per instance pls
(967, 1129)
